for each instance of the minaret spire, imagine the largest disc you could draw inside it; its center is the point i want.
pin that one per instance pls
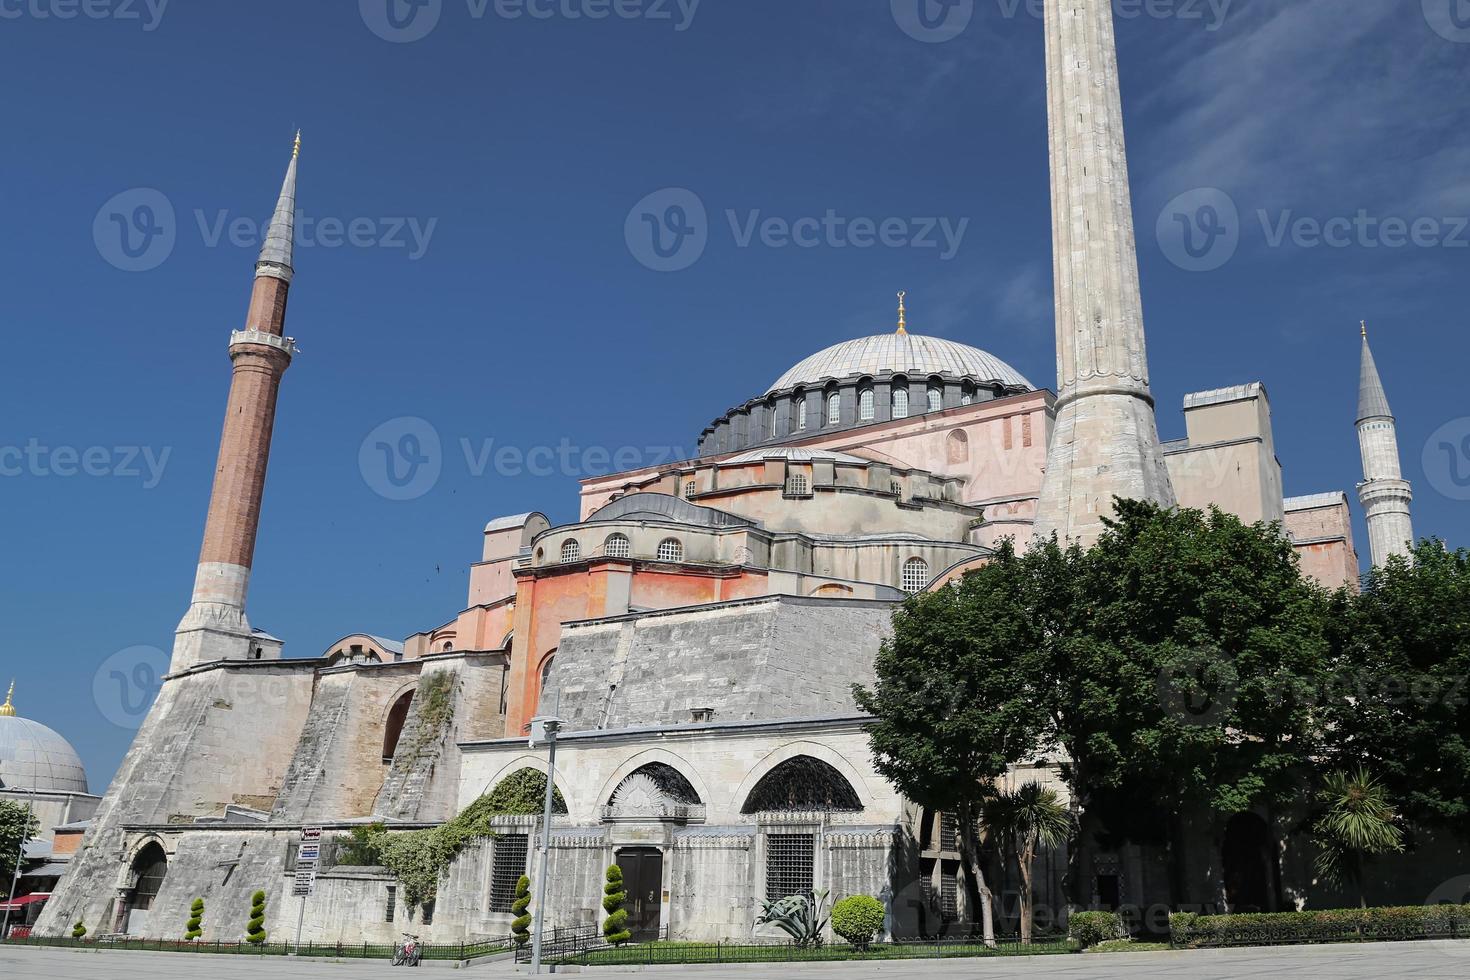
(1105, 443)
(7, 710)
(1384, 493)
(215, 627)
(903, 328)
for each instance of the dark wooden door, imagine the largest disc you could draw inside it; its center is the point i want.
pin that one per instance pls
(643, 877)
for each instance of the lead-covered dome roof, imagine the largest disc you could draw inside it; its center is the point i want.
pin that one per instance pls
(34, 758)
(906, 354)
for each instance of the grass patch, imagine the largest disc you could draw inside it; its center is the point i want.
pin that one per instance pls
(1128, 946)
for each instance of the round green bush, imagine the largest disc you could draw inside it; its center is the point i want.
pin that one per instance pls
(858, 919)
(1087, 929)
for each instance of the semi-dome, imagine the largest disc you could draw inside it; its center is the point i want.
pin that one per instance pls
(34, 758)
(901, 353)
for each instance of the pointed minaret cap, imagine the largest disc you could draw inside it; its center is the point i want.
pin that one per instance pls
(276, 253)
(7, 710)
(903, 324)
(1372, 399)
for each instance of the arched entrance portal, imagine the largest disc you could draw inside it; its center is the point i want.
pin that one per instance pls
(150, 867)
(1249, 859)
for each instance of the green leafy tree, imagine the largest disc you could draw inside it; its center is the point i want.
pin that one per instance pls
(255, 930)
(1401, 686)
(195, 927)
(614, 899)
(79, 931)
(1024, 822)
(858, 919)
(955, 702)
(520, 927)
(1358, 824)
(17, 825)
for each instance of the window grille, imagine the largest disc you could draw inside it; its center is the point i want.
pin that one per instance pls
(915, 575)
(508, 863)
(670, 550)
(949, 832)
(967, 396)
(865, 405)
(803, 783)
(690, 489)
(797, 486)
(834, 410)
(900, 403)
(789, 860)
(392, 908)
(949, 890)
(936, 400)
(801, 413)
(571, 550)
(618, 546)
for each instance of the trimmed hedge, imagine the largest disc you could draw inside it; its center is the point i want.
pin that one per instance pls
(1087, 929)
(1325, 926)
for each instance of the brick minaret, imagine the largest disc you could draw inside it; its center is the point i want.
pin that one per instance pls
(1106, 440)
(215, 627)
(1384, 493)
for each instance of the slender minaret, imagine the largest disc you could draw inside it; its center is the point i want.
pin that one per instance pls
(215, 627)
(1384, 493)
(1106, 441)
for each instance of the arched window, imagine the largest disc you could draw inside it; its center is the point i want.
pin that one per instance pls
(959, 447)
(393, 729)
(967, 394)
(151, 867)
(618, 546)
(803, 783)
(670, 549)
(801, 411)
(865, 405)
(915, 575)
(900, 403)
(546, 671)
(523, 793)
(571, 550)
(834, 408)
(657, 790)
(936, 398)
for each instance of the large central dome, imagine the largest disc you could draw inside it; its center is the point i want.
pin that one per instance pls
(34, 758)
(905, 354)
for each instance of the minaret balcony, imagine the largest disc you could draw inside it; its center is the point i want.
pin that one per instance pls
(243, 337)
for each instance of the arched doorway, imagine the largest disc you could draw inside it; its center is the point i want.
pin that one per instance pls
(1249, 860)
(150, 868)
(393, 728)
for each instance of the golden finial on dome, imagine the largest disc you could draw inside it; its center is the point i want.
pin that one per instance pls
(903, 329)
(7, 710)
(296, 150)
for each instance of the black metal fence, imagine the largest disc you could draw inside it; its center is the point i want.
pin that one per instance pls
(347, 951)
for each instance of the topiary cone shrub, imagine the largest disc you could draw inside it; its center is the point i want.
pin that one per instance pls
(79, 930)
(858, 919)
(255, 930)
(614, 897)
(194, 928)
(520, 929)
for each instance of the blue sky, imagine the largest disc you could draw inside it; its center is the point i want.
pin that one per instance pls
(494, 286)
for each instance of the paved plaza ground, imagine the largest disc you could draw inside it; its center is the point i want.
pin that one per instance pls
(1376, 961)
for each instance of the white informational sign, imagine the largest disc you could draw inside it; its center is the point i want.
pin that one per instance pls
(307, 858)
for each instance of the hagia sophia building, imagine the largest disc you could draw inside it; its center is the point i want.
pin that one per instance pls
(699, 629)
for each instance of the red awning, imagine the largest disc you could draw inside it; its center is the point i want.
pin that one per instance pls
(23, 901)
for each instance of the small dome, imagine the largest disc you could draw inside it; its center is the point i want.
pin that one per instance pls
(33, 757)
(906, 354)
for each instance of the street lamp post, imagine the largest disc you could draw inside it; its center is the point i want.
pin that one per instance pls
(544, 729)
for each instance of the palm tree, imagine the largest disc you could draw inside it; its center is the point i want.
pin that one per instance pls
(1358, 823)
(1023, 822)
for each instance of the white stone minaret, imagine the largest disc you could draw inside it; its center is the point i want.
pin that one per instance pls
(1384, 492)
(1106, 441)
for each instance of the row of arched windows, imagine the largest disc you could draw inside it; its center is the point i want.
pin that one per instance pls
(618, 546)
